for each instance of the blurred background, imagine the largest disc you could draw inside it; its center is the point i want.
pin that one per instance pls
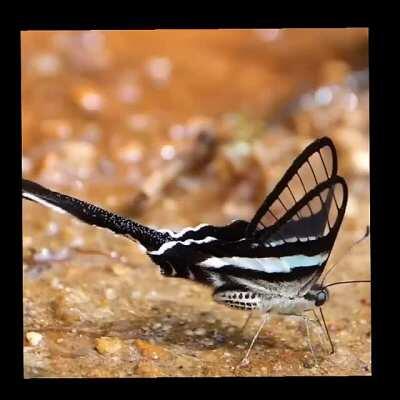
(176, 128)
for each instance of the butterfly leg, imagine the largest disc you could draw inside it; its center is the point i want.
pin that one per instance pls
(248, 318)
(321, 332)
(245, 361)
(306, 321)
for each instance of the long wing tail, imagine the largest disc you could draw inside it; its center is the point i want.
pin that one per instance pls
(93, 215)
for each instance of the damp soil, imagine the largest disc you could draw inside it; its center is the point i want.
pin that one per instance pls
(174, 129)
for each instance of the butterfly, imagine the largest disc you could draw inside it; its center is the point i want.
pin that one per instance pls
(272, 263)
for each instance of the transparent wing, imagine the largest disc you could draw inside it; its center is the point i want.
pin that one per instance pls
(315, 218)
(315, 165)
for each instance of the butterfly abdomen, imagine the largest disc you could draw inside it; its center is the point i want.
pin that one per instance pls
(244, 300)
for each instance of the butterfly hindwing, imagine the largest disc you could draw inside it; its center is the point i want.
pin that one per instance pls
(326, 204)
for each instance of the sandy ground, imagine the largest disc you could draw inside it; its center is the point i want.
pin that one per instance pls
(120, 127)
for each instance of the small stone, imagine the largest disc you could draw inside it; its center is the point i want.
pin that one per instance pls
(108, 345)
(231, 329)
(27, 241)
(119, 269)
(200, 332)
(136, 294)
(52, 228)
(159, 69)
(110, 294)
(56, 284)
(34, 338)
(46, 64)
(208, 342)
(361, 161)
(166, 327)
(43, 255)
(89, 99)
(150, 350)
(168, 152)
(27, 165)
(152, 295)
(131, 152)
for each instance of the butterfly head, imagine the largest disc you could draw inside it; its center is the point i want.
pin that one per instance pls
(318, 294)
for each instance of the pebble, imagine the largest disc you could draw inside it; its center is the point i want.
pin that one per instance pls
(110, 294)
(152, 295)
(200, 332)
(119, 269)
(150, 350)
(166, 327)
(131, 152)
(34, 338)
(168, 152)
(56, 284)
(108, 345)
(208, 342)
(159, 69)
(27, 241)
(231, 329)
(52, 228)
(136, 294)
(89, 99)
(361, 161)
(46, 64)
(27, 165)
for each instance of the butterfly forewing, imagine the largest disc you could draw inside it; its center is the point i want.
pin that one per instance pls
(316, 164)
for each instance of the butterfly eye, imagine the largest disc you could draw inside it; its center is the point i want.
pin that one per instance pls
(320, 298)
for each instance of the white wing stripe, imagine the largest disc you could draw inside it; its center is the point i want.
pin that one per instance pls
(269, 264)
(45, 203)
(170, 245)
(177, 235)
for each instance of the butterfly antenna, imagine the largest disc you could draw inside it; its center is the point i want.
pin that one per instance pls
(342, 282)
(366, 234)
(327, 331)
